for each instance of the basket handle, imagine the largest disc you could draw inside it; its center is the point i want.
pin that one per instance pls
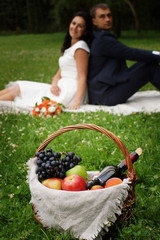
(131, 171)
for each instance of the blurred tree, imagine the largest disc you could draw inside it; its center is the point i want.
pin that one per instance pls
(148, 12)
(119, 9)
(37, 16)
(64, 11)
(12, 15)
(134, 14)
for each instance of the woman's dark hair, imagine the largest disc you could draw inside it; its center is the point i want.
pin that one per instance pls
(86, 37)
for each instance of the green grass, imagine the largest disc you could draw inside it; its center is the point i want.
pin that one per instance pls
(35, 57)
(29, 57)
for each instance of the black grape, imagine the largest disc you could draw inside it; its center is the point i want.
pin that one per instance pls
(54, 164)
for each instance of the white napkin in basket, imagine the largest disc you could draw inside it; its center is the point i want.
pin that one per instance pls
(84, 213)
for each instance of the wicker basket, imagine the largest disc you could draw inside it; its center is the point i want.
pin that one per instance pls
(128, 205)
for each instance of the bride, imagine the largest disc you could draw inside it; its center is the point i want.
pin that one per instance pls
(69, 84)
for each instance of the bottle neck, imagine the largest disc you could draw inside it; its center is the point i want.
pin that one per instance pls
(123, 165)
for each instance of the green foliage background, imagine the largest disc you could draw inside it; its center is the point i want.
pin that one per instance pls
(39, 16)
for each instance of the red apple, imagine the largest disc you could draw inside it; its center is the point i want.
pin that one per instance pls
(54, 183)
(95, 187)
(74, 182)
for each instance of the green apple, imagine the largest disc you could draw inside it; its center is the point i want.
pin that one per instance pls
(78, 170)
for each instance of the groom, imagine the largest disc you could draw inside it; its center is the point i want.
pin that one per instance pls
(110, 81)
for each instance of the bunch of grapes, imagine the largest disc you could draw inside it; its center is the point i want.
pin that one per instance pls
(50, 164)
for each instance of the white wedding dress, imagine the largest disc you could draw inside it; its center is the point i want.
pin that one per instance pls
(32, 92)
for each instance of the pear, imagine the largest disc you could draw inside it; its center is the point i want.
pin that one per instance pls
(78, 170)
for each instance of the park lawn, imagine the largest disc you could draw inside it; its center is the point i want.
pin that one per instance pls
(35, 57)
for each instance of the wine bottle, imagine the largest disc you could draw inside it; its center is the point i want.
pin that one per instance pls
(113, 171)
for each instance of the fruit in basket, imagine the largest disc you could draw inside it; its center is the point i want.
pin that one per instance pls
(70, 160)
(51, 165)
(74, 183)
(112, 182)
(78, 170)
(54, 183)
(96, 187)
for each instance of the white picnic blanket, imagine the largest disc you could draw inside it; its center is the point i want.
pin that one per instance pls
(85, 213)
(144, 101)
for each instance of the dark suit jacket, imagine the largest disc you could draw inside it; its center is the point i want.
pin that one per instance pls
(107, 63)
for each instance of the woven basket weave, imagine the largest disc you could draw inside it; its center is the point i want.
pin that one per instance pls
(128, 206)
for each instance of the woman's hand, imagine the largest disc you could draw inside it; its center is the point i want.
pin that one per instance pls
(54, 86)
(74, 106)
(55, 89)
